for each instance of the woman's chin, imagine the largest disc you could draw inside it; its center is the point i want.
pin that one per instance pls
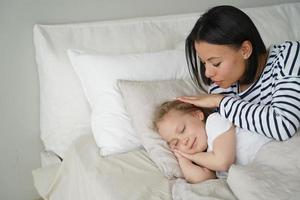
(224, 86)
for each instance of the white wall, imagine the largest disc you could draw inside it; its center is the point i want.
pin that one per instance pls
(19, 90)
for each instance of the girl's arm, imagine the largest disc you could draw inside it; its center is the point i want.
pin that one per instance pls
(222, 156)
(192, 172)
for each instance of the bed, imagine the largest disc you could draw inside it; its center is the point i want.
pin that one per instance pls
(99, 84)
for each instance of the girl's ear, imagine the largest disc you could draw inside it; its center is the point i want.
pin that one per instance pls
(199, 114)
(246, 49)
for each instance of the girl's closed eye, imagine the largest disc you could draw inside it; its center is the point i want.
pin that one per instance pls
(183, 129)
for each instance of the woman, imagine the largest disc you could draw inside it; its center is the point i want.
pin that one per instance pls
(255, 89)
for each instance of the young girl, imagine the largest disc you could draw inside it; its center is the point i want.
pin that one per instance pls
(202, 142)
(255, 89)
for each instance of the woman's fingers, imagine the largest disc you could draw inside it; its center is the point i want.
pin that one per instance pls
(205, 100)
(191, 100)
(187, 98)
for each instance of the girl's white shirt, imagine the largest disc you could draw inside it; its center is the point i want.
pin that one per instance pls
(247, 143)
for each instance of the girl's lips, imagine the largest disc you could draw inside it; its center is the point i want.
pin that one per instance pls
(193, 144)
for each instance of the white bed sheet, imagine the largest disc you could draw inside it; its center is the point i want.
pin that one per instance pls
(84, 174)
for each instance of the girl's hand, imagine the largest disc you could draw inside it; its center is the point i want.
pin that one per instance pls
(192, 157)
(183, 161)
(205, 100)
(192, 172)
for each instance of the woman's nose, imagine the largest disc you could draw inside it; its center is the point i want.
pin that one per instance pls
(209, 71)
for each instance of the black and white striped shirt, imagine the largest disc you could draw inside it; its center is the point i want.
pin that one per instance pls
(271, 105)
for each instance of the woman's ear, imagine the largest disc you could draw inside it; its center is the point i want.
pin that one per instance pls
(246, 49)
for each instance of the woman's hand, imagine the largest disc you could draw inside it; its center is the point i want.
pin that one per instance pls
(205, 100)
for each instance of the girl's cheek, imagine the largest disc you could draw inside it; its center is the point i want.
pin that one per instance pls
(183, 148)
(173, 145)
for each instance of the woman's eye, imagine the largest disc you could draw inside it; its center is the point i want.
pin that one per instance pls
(217, 64)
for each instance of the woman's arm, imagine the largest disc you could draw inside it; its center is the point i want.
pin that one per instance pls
(222, 156)
(278, 120)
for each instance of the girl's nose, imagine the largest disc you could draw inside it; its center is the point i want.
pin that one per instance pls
(184, 141)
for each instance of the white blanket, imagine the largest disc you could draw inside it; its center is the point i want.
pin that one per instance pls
(85, 175)
(274, 174)
(215, 189)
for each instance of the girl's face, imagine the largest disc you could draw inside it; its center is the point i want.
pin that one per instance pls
(184, 131)
(224, 65)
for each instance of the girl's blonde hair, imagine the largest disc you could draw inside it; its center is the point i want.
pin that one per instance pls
(167, 106)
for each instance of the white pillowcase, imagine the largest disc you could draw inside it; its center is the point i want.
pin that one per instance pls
(141, 99)
(111, 125)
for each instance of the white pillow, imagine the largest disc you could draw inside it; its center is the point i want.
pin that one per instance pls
(64, 110)
(111, 125)
(141, 99)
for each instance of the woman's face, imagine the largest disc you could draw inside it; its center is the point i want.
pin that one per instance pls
(184, 131)
(224, 65)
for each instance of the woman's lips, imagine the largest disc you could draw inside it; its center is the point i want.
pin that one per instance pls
(217, 82)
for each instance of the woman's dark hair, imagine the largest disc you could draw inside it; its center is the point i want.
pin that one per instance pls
(224, 25)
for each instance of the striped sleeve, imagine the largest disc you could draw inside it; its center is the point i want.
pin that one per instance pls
(291, 61)
(278, 120)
